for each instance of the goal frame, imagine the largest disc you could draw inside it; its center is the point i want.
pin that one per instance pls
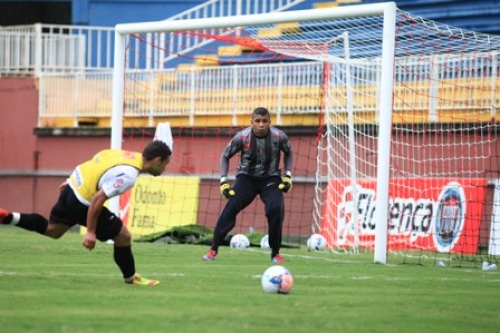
(387, 9)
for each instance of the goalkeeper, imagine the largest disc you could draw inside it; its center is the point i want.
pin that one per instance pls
(260, 146)
(81, 201)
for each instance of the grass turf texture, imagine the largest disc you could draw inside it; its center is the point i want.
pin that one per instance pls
(58, 286)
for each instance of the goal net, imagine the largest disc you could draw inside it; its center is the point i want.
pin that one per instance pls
(392, 119)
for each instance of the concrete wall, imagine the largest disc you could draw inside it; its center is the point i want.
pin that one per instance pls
(32, 167)
(18, 117)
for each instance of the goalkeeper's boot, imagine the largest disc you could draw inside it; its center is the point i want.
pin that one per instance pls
(210, 256)
(140, 281)
(277, 259)
(3, 215)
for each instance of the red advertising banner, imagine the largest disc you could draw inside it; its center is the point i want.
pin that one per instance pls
(125, 206)
(432, 214)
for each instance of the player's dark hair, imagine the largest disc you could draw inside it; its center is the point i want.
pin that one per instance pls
(260, 111)
(156, 148)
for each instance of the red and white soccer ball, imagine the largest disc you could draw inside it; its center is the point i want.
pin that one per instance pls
(239, 241)
(277, 280)
(316, 242)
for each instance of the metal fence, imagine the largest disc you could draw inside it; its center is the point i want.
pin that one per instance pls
(45, 48)
(286, 88)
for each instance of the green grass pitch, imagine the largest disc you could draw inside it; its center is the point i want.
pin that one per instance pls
(58, 286)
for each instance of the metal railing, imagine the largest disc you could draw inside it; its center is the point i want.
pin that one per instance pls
(45, 48)
(223, 90)
(74, 65)
(217, 8)
(286, 88)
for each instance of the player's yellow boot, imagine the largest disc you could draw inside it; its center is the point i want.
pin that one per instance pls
(140, 281)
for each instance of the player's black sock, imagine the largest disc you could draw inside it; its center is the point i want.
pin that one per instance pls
(33, 222)
(125, 260)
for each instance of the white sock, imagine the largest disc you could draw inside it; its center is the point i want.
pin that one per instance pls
(15, 218)
(129, 279)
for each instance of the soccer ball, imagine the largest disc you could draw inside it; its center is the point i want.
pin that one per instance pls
(277, 280)
(264, 242)
(239, 241)
(316, 242)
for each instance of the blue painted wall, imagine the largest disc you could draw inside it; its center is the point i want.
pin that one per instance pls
(477, 15)
(108, 13)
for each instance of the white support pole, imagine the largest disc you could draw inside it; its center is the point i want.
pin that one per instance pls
(38, 65)
(235, 93)
(494, 241)
(192, 96)
(279, 94)
(433, 91)
(117, 104)
(494, 79)
(117, 91)
(352, 139)
(238, 7)
(384, 135)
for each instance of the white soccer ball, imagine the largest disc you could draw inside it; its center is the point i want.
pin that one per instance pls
(316, 242)
(239, 241)
(264, 242)
(277, 280)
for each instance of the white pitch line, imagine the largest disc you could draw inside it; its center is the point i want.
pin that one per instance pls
(87, 274)
(343, 261)
(255, 276)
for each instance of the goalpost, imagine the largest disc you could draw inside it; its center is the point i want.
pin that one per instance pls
(391, 116)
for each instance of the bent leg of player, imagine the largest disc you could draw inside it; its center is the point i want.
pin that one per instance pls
(31, 222)
(245, 190)
(125, 259)
(59, 219)
(110, 226)
(66, 212)
(57, 225)
(272, 197)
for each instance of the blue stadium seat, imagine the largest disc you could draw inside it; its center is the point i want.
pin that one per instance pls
(465, 14)
(255, 58)
(472, 15)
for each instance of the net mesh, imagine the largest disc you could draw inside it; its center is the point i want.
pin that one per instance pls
(321, 81)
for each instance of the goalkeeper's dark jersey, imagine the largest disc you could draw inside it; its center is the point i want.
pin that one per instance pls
(260, 157)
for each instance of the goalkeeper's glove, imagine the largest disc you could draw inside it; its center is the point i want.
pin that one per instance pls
(286, 182)
(225, 189)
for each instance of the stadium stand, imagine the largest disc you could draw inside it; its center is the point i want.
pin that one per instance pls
(479, 16)
(474, 15)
